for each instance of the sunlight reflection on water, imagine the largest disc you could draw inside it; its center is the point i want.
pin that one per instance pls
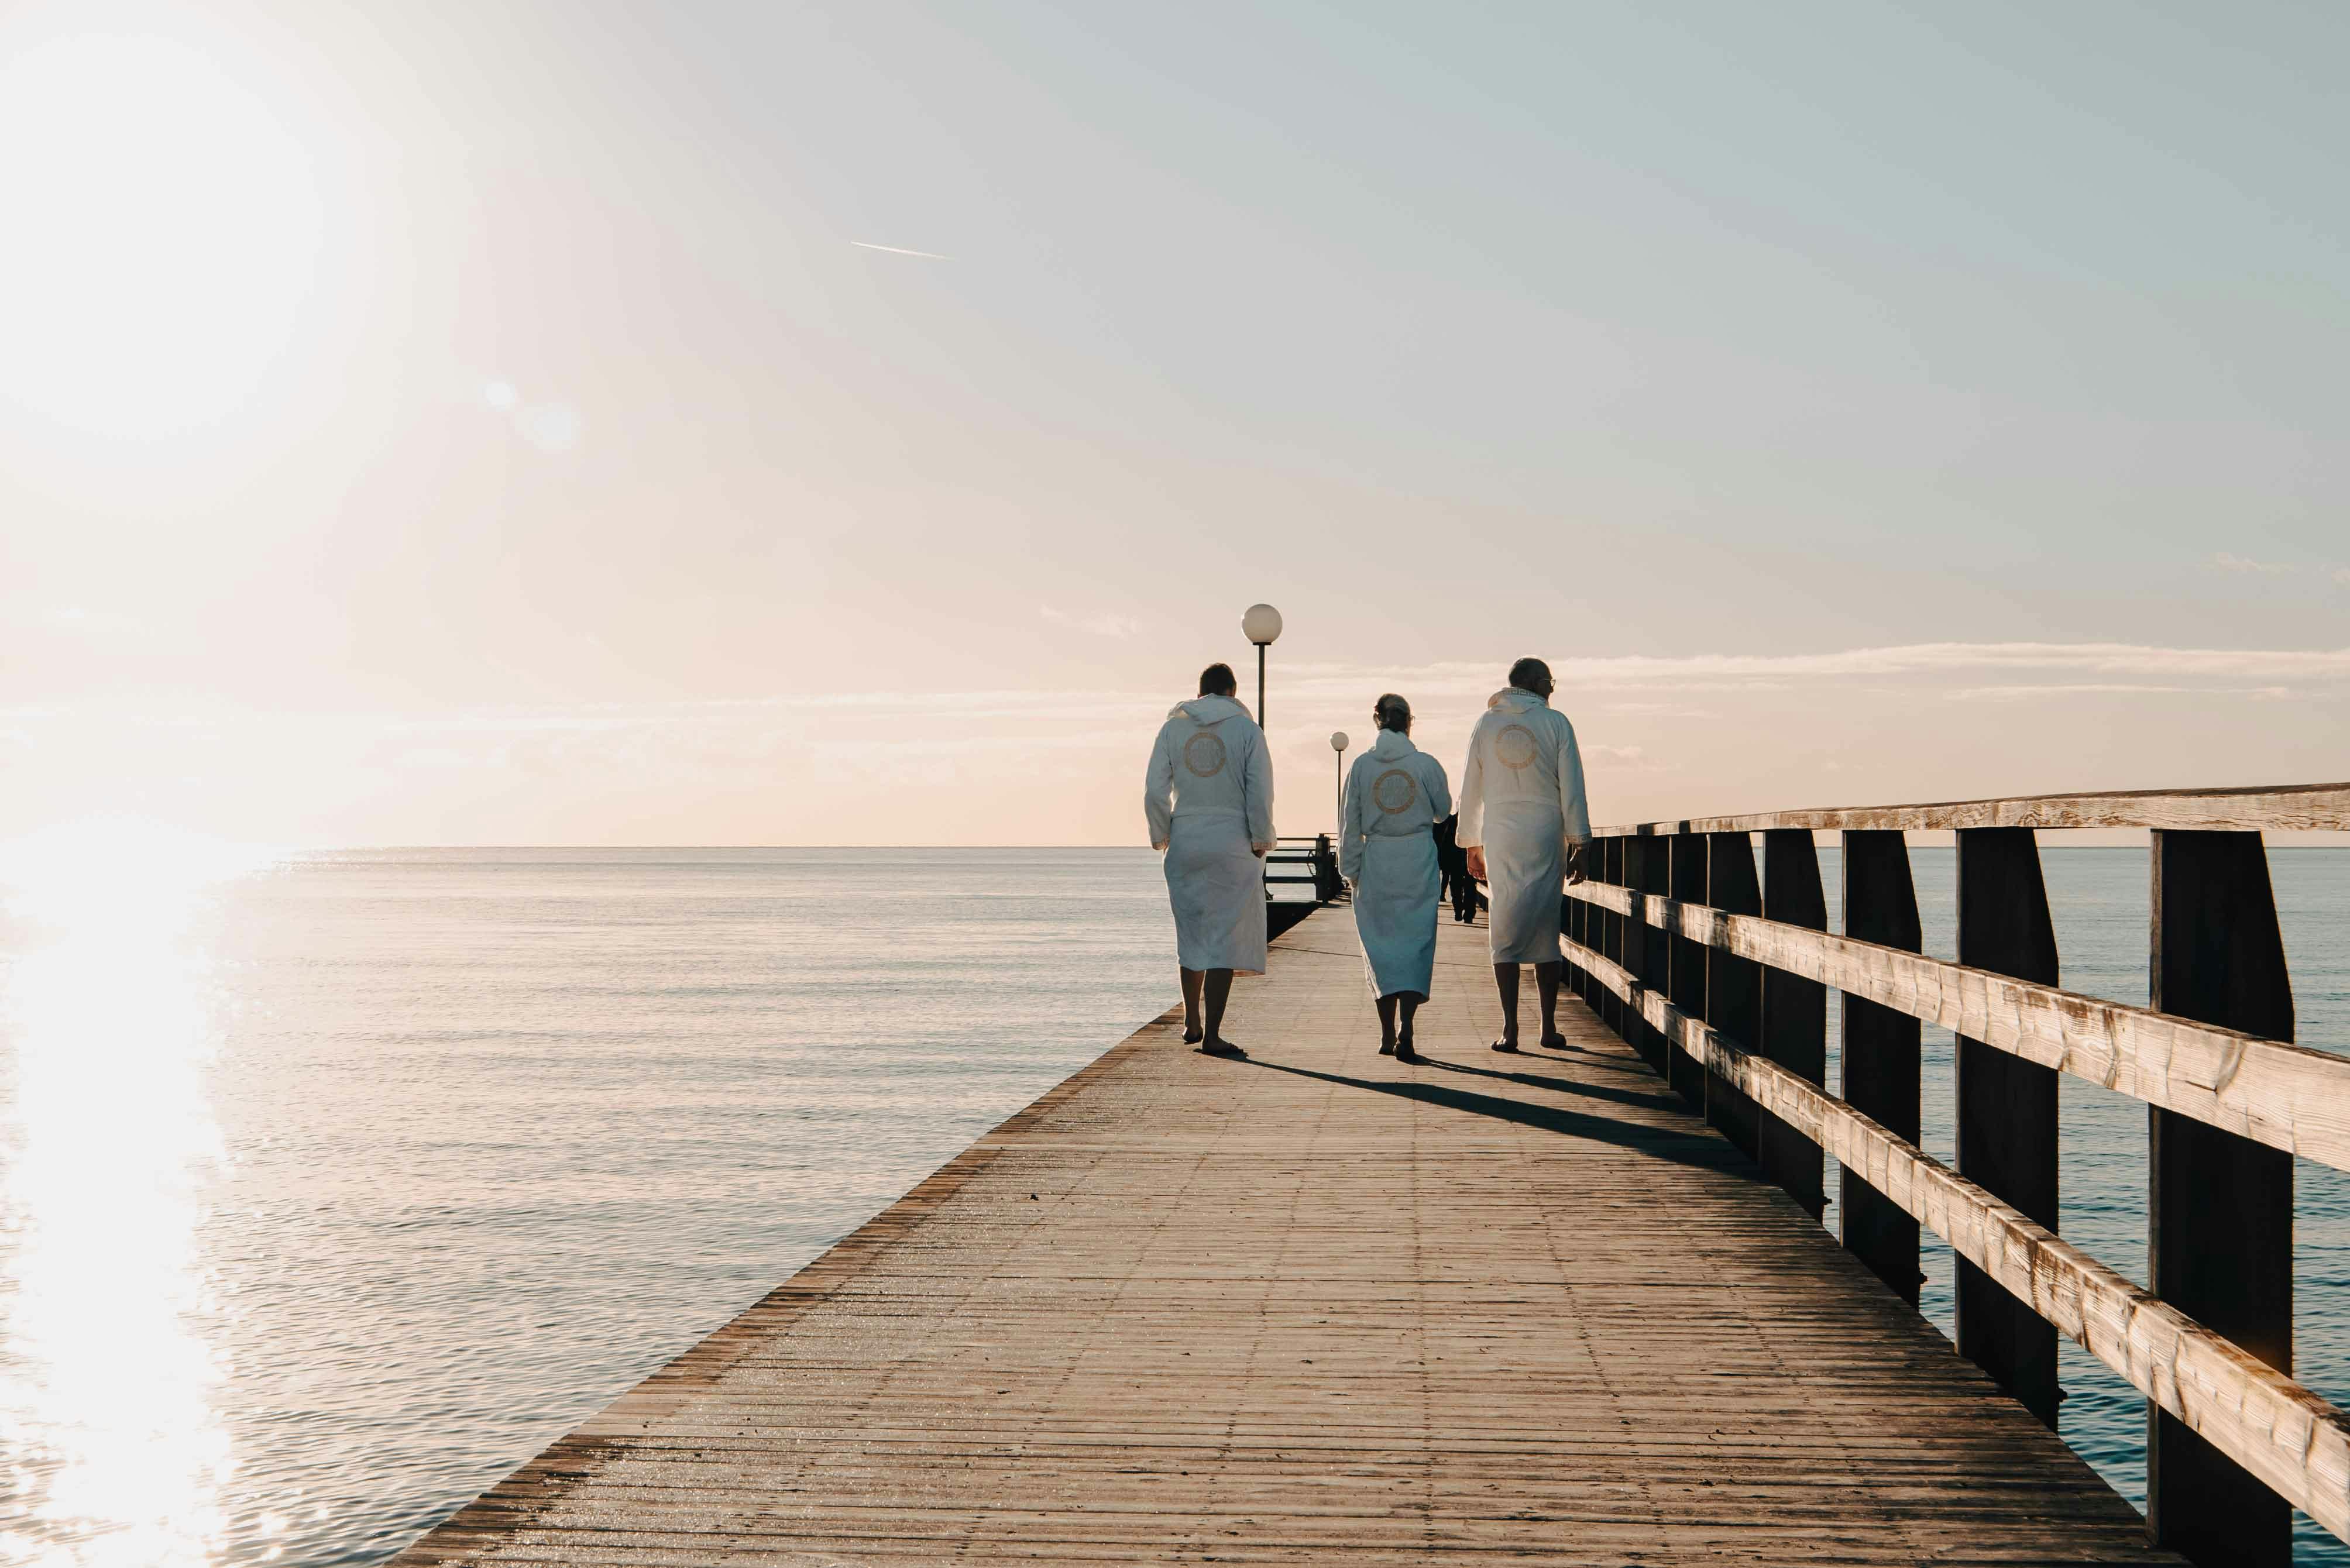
(115, 1455)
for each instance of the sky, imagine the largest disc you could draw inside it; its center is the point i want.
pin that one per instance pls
(757, 423)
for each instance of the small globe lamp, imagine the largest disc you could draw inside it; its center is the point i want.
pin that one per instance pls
(1261, 624)
(1338, 744)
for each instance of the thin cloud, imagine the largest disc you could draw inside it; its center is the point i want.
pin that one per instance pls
(2020, 694)
(899, 251)
(1102, 623)
(2230, 563)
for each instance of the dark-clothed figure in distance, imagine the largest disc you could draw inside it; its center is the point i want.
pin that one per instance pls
(1523, 823)
(1452, 864)
(1208, 799)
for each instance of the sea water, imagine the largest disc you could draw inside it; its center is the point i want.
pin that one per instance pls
(332, 1191)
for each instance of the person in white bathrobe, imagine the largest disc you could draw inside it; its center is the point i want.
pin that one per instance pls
(1395, 793)
(1208, 799)
(1523, 822)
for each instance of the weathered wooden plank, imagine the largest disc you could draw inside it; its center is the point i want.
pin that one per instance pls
(2295, 1440)
(2274, 808)
(2219, 1207)
(1881, 1054)
(2284, 1096)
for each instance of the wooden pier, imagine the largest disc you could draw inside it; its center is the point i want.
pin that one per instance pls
(1318, 1306)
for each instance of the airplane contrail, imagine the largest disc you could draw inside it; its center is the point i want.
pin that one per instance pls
(899, 251)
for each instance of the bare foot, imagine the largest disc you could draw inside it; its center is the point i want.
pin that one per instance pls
(1509, 1045)
(1191, 1037)
(1386, 1047)
(1553, 1042)
(1221, 1048)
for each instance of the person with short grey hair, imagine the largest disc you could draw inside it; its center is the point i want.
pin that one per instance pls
(1523, 822)
(1395, 795)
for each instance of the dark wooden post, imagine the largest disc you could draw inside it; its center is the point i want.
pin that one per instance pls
(2219, 1207)
(1632, 935)
(1611, 1006)
(1570, 920)
(1733, 986)
(1686, 960)
(1880, 1052)
(1795, 1010)
(1652, 877)
(2007, 1107)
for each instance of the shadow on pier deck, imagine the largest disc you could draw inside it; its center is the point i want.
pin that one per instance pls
(1318, 1307)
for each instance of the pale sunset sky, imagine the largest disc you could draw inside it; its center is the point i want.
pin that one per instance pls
(766, 423)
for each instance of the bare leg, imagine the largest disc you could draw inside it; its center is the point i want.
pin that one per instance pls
(1191, 1034)
(1505, 979)
(1387, 1006)
(1217, 991)
(1410, 1000)
(1546, 985)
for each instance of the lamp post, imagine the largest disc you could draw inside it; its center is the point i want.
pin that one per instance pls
(1338, 744)
(1261, 624)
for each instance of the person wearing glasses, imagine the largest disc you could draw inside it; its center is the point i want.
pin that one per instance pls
(1523, 823)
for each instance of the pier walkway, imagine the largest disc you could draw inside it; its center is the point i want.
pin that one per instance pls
(1321, 1307)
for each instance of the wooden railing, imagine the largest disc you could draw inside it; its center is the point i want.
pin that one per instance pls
(1719, 978)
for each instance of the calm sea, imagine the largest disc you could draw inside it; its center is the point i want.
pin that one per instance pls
(332, 1192)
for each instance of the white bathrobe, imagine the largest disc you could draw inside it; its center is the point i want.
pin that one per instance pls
(1396, 795)
(1208, 800)
(1522, 798)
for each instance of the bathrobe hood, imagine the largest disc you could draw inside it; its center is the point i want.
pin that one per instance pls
(1208, 709)
(1513, 700)
(1390, 744)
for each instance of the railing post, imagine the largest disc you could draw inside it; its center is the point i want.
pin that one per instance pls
(1611, 1006)
(2007, 1107)
(1795, 1010)
(1650, 876)
(1880, 1052)
(1686, 960)
(2218, 1206)
(1570, 922)
(1733, 986)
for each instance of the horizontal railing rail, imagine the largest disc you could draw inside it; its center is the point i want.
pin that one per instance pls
(1717, 968)
(2287, 1097)
(2276, 807)
(2292, 1437)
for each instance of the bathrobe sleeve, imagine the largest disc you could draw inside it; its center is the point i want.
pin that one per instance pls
(1351, 826)
(1256, 787)
(1471, 832)
(1572, 804)
(1159, 790)
(1440, 788)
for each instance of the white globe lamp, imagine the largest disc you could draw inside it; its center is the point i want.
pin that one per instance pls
(1338, 744)
(1261, 624)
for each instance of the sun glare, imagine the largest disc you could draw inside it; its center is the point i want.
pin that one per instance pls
(163, 232)
(106, 1029)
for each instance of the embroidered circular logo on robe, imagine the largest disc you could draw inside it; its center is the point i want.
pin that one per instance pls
(1515, 746)
(1394, 791)
(1203, 753)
